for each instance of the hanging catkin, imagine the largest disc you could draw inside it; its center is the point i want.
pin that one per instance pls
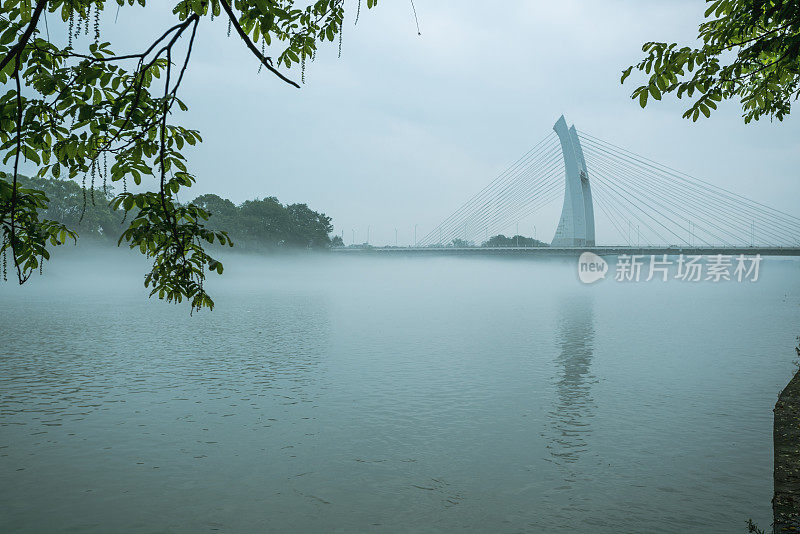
(5, 271)
(94, 172)
(97, 25)
(83, 187)
(105, 174)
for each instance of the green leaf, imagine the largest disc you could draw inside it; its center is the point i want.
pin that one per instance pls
(655, 92)
(625, 74)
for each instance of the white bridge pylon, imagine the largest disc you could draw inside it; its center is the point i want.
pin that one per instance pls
(576, 226)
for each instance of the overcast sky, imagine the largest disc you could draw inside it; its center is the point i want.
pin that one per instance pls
(402, 129)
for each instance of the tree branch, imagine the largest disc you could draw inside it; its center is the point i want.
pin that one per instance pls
(16, 50)
(20, 276)
(141, 69)
(264, 60)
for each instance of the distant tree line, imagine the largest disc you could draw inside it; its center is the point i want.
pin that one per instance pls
(266, 223)
(259, 224)
(493, 242)
(498, 241)
(86, 211)
(515, 241)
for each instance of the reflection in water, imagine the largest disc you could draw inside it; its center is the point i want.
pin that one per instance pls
(573, 402)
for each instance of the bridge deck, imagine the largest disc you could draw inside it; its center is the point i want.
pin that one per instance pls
(570, 251)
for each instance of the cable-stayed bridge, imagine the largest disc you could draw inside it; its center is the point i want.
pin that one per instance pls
(646, 207)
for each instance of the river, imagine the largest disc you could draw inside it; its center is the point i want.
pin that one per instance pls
(360, 394)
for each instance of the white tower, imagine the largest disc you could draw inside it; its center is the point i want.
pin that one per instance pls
(576, 226)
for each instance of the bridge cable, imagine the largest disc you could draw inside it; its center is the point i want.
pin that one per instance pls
(688, 190)
(531, 180)
(681, 200)
(657, 185)
(499, 181)
(455, 221)
(522, 196)
(632, 201)
(722, 194)
(489, 204)
(606, 210)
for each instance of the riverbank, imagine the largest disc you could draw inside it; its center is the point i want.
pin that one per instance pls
(786, 436)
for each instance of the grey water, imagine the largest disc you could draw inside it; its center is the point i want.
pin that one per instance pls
(360, 394)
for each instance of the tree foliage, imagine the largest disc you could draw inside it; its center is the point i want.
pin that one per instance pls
(514, 241)
(750, 50)
(461, 243)
(267, 224)
(84, 211)
(83, 111)
(255, 225)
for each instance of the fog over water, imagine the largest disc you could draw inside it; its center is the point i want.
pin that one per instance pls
(340, 393)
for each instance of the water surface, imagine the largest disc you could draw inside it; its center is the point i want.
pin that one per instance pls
(346, 394)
